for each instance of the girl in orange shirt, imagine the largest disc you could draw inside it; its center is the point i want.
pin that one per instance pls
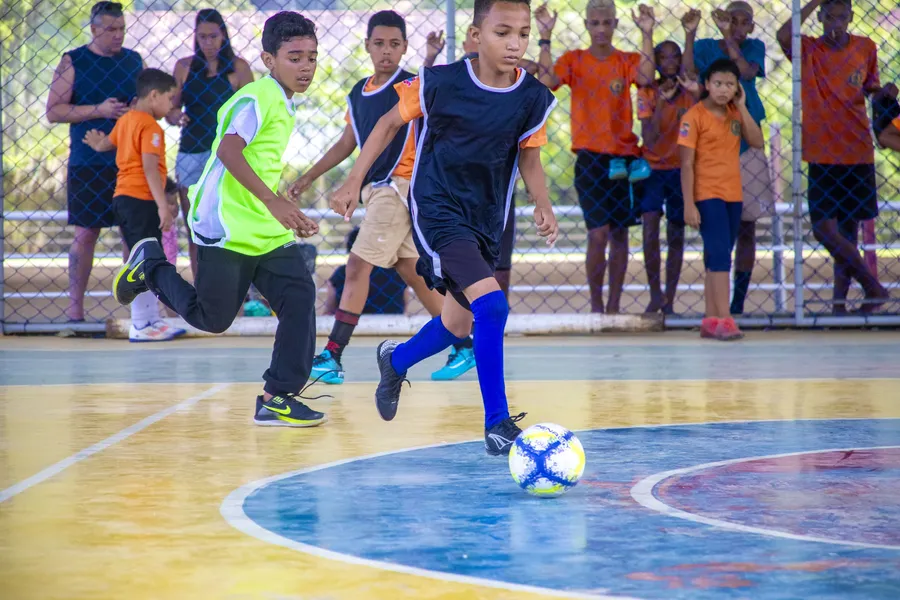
(710, 141)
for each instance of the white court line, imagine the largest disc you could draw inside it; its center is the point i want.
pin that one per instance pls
(643, 494)
(232, 511)
(112, 440)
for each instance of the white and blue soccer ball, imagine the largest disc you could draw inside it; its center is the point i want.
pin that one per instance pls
(546, 460)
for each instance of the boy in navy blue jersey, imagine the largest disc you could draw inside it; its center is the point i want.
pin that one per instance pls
(385, 237)
(483, 122)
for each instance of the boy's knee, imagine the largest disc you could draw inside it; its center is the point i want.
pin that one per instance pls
(357, 268)
(219, 324)
(491, 307)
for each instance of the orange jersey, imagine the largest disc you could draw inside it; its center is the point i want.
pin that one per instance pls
(404, 168)
(664, 153)
(411, 109)
(602, 114)
(896, 123)
(717, 143)
(835, 123)
(135, 134)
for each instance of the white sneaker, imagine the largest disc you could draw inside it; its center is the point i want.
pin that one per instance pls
(174, 331)
(154, 332)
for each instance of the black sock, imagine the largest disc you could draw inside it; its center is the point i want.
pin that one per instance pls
(741, 285)
(466, 343)
(344, 324)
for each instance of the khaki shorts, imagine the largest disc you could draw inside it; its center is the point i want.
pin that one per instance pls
(759, 201)
(385, 235)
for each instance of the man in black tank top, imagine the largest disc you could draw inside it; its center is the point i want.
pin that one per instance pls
(92, 87)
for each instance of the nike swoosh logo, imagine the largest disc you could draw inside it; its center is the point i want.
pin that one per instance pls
(130, 278)
(280, 411)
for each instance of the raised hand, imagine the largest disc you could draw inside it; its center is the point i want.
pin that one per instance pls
(544, 21)
(434, 43)
(690, 84)
(691, 20)
(644, 18)
(723, 21)
(668, 89)
(740, 98)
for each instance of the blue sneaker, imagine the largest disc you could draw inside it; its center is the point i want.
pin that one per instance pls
(327, 369)
(461, 360)
(256, 308)
(618, 169)
(640, 170)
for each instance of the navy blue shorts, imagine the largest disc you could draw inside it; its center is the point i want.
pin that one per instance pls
(663, 187)
(457, 265)
(719, 223)
(90, 192)
(508, 241)
(842, 192)
(603, 201)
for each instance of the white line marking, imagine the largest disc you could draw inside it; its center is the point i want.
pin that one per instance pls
(112, 440)
(232, 511)
(643, 494)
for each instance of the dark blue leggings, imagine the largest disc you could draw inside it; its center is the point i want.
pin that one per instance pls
(719, 222)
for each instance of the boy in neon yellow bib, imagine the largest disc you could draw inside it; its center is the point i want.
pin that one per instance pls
(245, 229)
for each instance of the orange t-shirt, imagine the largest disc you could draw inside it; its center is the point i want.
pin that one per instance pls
(135, 134)
(835, 123)
(717, 142)
(404, 168)
(896, 123)
(411, 109)
(602, 115)
(664, 153)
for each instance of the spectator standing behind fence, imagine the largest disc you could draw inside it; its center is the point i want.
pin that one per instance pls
(206, 81)
(839, 70)
(660, 109)
(600, 78)
(92, 87)
(710, 139)
(888, 132)
(140, 205)
(735, 24)
(387, 290)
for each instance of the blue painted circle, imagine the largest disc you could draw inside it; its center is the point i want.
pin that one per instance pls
(453, 509)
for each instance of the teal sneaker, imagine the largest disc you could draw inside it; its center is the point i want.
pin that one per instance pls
(256, 308)
(618, 169)
(640, 170)
(461, 360)
(327, 369)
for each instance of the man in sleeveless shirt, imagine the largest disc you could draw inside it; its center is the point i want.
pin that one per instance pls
(92, 87)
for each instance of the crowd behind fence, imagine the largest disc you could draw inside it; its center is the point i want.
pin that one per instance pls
(793, 274)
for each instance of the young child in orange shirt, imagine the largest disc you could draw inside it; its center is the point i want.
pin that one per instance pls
(710, 141)
(601, 78)
(140, 204)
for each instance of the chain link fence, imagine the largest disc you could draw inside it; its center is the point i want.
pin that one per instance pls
(794, 274)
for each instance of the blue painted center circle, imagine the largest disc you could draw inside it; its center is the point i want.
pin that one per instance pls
(452, 509)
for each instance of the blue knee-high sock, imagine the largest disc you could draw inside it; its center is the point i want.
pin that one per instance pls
(491, 311)
(430, 340)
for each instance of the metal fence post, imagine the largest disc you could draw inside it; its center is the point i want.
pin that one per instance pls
(796, 158)
(778, 244)
(451, 31)
(2, 212)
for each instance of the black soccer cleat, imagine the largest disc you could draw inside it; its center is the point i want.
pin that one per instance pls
(499, 439)
(387, 395)
(285, 410)
(129, 282)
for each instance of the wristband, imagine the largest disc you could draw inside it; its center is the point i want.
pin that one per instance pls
(544, 42)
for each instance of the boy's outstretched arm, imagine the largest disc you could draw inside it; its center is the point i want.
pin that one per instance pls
(690, 21)
(533, 174)
(231, 153)
(345, 199)
(337, 154)
(98, 141)
(784, 35)
(645, 20)
(545, 23)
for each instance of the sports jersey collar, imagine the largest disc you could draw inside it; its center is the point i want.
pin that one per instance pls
(389, 82)
(478, 82)
(288, 102)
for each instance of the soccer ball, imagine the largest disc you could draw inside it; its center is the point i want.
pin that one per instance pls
(546, 460)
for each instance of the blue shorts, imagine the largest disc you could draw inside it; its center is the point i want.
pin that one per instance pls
(603, 201)
(719, 223)
(90, 190)
(843, 192)
(664, 186)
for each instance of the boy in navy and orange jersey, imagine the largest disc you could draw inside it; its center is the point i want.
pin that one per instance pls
(483, 123)
(600, 78)
(839, 71)
(710, 140)
(385, 236)
(660, 109)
